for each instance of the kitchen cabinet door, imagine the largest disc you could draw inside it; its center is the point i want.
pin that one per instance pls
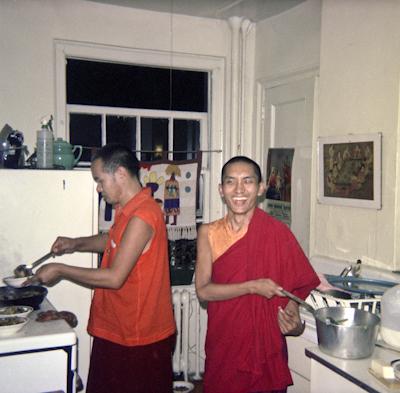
(36, 207)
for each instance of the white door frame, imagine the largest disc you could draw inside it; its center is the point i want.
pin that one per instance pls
(264, 141)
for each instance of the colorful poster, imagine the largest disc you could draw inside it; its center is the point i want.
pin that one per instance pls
(278, 181)
(174, 187)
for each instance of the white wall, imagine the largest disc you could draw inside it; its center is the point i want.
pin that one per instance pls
(357, 45)
(359, 90)
(288, 42)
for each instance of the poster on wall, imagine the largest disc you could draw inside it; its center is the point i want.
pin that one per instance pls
(350, 170)
(278, 181)
(174, 187)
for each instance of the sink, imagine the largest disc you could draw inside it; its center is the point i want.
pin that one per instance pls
(362, 286)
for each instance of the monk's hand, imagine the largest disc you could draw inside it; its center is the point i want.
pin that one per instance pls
(265, 287)
(289, 320)
(48, 275)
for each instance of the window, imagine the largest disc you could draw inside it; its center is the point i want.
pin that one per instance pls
(211, 129)
(157, 111)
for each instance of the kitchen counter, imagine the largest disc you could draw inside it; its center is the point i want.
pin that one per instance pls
(330, 374)
(37, 335)
(46, 352)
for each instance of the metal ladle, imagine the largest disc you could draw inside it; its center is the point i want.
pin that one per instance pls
(26, 270)
(311, 309)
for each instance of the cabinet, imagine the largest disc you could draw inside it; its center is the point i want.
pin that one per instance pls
(36, 207)
(46, 354)
(324, 379)
(299, 363)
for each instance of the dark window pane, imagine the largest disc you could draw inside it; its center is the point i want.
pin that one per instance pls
(189, 91)
(85, 130)
(130, 86)
(121, 129)
(186, 139)
(154, 137)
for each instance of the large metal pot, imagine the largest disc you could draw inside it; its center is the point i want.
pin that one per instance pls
(353, 337)
(27, 296)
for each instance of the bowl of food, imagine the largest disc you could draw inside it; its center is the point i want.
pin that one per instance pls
(182, 387)
(15, 282)
(15, 311)
(31, 296)
(12, 325)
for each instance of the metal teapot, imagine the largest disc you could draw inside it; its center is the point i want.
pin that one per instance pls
(64, 154)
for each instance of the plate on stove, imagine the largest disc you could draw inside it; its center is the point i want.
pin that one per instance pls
(12, 325)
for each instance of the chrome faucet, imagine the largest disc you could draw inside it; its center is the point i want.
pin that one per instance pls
(352, 270)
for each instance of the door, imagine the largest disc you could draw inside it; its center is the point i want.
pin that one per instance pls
(289, 111)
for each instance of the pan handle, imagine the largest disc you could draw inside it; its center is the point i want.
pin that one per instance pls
(42, 259)
(307, 306)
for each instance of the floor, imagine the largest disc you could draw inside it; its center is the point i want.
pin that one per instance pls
(198, 386)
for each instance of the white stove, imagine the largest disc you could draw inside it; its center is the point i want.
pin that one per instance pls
(39, 358)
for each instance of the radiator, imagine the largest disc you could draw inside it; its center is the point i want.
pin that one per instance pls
(191, 322)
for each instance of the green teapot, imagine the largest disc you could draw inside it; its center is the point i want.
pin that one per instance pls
(64, 154)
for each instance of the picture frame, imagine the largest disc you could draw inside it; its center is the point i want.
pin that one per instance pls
(349, 170)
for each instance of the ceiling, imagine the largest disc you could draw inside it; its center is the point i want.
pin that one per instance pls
(255, 10)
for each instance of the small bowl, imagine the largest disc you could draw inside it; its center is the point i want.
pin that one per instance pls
(182, 387)
(12, 325)
(15, 311)
(396, 368)
(15, 282)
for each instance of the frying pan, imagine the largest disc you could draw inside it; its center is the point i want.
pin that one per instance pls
(32, 296)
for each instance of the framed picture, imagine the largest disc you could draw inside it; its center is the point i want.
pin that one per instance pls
(350, 170)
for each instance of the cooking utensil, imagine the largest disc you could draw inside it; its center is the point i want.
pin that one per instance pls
(354, 339)
(31, 296)
(343, 332)
(328, 320)
(26, 270)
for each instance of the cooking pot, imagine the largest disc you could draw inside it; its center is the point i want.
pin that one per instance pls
(343, 332)
(32, 296)
(64, 154)
(354, 338)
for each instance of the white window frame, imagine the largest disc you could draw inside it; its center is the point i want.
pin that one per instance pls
(211, 140)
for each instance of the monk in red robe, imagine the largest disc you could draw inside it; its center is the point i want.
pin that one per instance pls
(243, 260)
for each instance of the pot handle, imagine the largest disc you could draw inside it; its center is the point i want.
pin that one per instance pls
(77, 158)
(307, 306)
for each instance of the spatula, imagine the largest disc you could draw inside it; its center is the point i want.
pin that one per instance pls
(26, 270)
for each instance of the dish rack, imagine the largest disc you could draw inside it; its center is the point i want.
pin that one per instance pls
(319, 300)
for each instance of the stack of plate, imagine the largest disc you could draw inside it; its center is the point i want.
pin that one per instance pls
(13, 319)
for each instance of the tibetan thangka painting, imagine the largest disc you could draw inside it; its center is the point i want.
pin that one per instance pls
(350, 170)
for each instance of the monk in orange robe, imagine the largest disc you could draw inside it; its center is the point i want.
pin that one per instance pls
(243, 260)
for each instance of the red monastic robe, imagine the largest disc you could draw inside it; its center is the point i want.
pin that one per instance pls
(245, 350)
